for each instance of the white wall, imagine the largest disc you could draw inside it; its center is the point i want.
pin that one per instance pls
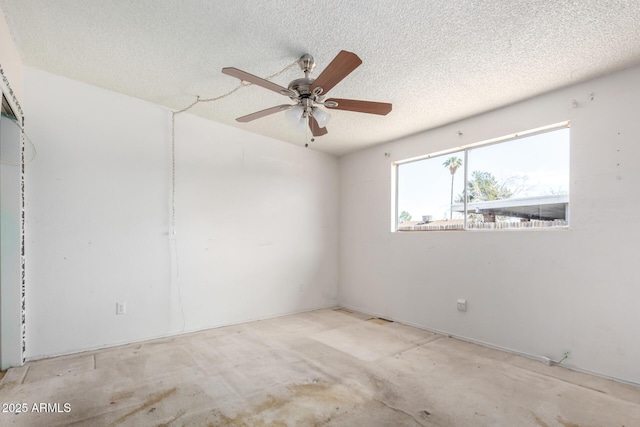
(255, 219)
(533, 292)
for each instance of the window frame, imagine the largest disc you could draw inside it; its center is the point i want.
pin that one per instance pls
(465, 149)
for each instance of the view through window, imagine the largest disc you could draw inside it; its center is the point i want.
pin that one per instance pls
(522, 182)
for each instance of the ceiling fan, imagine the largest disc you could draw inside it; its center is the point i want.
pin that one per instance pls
(309, 94)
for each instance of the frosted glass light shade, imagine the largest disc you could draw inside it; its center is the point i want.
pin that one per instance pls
(322, 117)
(294, 114)
(296, 118)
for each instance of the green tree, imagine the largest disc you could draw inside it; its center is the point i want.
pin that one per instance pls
(483, 186)
(453, 163)
(404, 216)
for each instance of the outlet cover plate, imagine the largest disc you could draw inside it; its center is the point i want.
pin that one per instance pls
(121, 308)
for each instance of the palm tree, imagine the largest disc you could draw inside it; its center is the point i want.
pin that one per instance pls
(453, 163)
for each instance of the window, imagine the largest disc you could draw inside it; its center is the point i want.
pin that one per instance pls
(520, 181)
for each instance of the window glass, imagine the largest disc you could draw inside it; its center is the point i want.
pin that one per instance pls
(426, 189)
(523, 182)
(520, 183)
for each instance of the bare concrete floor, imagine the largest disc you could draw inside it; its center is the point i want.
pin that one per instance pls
(321, 368)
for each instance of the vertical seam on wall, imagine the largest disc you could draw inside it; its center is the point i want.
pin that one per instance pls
(173, 173)
(173, 243)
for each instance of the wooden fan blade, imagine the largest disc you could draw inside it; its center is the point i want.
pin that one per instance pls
(262, 113)
(381, 108)
(343, 64)
(316, 130)
(243, 75)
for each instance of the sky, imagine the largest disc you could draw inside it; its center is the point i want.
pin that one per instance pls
(539, 164)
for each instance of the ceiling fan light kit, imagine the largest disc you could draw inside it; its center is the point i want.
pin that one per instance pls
(309, 94)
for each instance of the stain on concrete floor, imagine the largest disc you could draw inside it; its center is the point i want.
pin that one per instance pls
(379, 320)
(151, 400)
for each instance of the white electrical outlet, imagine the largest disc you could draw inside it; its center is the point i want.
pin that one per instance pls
(121, 307)
(462, 305)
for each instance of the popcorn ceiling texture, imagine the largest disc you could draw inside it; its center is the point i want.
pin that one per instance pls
(437, 61)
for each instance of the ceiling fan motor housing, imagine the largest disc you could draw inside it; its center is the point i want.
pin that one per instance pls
(301, 86)
(304, 98)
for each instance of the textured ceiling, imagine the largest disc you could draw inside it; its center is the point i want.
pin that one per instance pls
(436, 61)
